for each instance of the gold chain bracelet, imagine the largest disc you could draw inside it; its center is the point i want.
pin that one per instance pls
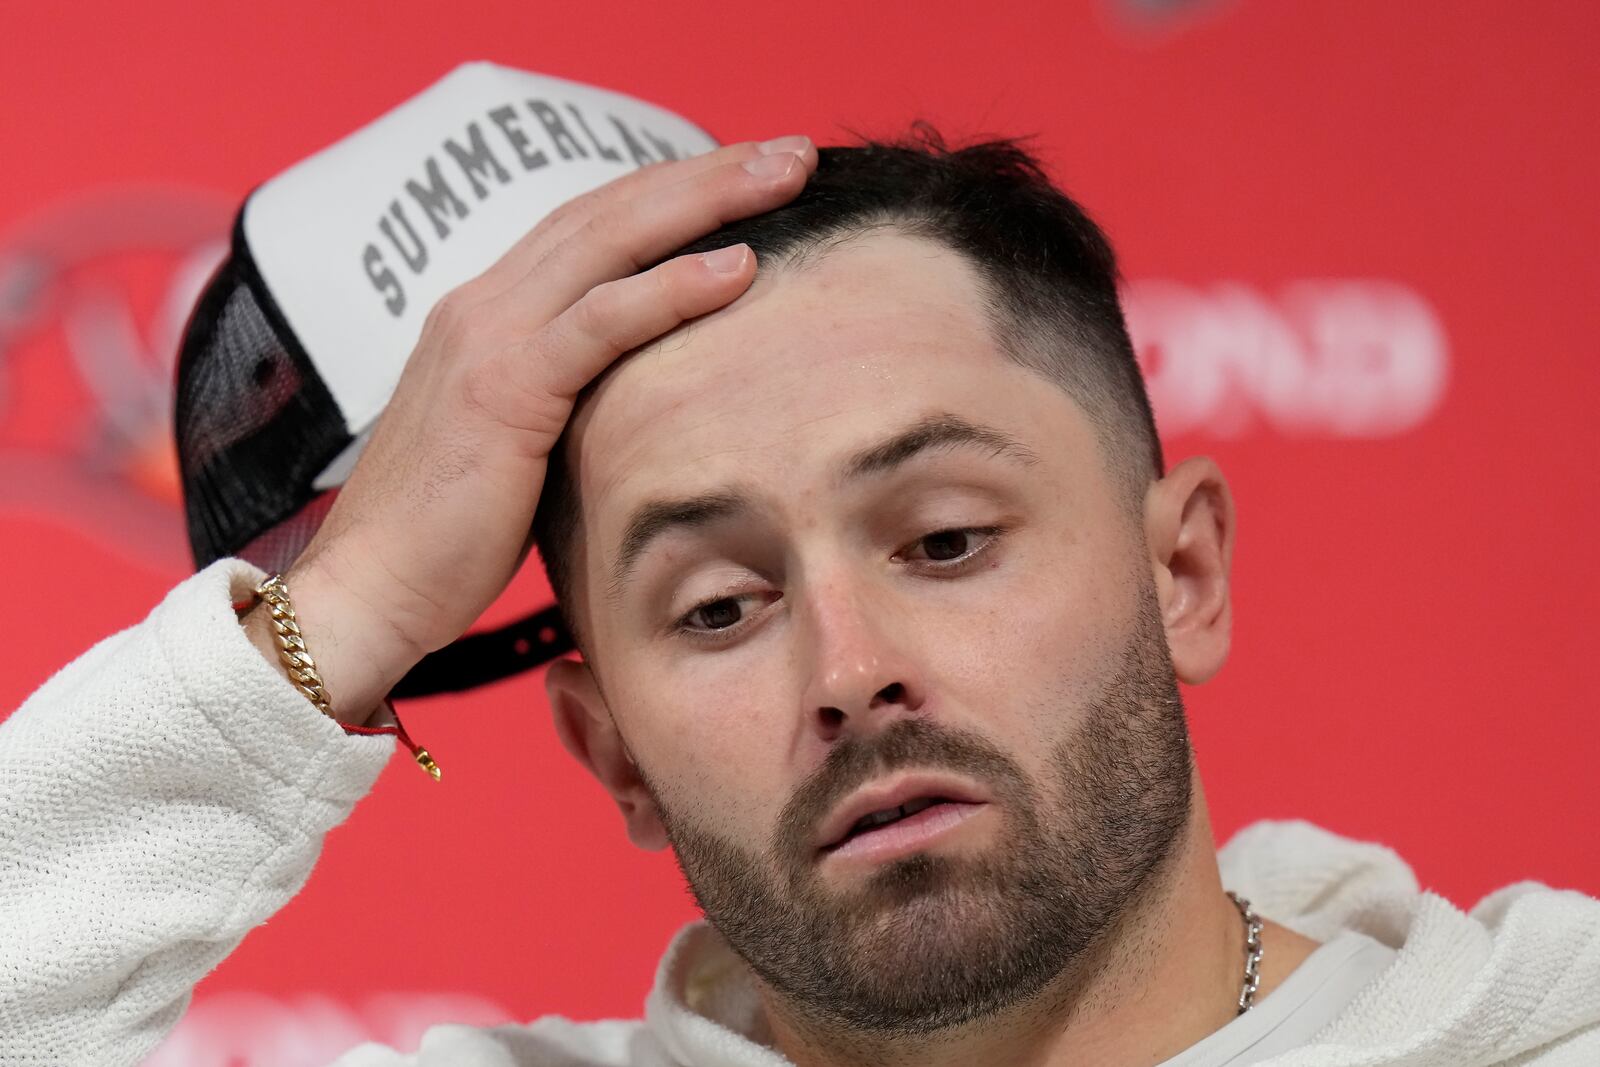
(303, 671)
(292, 644)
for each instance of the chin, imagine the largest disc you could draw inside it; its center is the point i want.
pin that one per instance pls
(939, 961)
(922, 911)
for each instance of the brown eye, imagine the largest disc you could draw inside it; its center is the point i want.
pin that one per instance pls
(717, 615)
(726, 617)
(945, 545)
(948, 552)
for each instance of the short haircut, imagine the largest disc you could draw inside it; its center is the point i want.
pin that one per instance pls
(1048, 276)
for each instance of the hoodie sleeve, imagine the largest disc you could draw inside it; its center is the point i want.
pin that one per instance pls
(162, 795)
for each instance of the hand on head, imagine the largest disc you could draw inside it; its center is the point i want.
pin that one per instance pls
(434, 519)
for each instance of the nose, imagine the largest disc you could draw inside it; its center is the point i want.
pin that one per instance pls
(859, 678)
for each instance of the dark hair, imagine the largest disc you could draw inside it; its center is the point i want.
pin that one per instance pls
(1048, 272)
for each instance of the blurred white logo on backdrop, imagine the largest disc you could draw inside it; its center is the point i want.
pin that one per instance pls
(1358, 358)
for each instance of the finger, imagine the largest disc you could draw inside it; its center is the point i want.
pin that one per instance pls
(660, 175)
(532, 385)
(632, 234)
(561, 223)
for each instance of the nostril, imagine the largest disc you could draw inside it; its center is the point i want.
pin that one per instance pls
(893, 693)
(832, 718)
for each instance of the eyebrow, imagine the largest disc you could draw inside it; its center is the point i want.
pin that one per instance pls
(929, 434)
(654, 519)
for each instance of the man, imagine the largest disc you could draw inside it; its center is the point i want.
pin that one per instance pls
(855, 506)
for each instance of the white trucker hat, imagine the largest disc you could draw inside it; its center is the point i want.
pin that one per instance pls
(297, 342)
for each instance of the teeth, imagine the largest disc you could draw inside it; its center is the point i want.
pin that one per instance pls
(889, 815)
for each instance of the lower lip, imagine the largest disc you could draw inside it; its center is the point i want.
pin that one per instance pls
(908, 835)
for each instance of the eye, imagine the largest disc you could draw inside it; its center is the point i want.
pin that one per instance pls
(721, 614)
(949, 549)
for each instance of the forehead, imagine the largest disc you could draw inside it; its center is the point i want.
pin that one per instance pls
(810, 364)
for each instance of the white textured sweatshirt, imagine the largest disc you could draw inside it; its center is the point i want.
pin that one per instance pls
(169, 790)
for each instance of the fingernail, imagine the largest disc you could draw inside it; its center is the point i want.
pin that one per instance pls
(726, 260)
(772, 166)
(795, 143)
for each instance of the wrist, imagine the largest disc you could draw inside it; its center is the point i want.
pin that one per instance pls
(358, 662)
(260, 629)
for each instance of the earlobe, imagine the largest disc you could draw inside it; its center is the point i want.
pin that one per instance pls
(587, 729)
(1189, 527)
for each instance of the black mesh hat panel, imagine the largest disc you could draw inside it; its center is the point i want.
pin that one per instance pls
(254, 422)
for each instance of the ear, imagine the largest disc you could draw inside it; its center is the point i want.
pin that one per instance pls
(1189, 527)
(587, 729)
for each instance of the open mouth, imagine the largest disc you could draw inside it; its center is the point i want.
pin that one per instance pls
(887, 816)
(902, 828)
(898, 814)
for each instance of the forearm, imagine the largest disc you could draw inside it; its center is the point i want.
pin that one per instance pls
(163, 795)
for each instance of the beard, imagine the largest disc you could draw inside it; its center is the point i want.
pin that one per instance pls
(928, 942)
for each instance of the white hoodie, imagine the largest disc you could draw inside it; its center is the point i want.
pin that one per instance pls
(169, 790)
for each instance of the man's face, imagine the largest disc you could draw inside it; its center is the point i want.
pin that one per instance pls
(841, 555)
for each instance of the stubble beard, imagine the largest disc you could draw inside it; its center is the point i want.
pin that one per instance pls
(928, 942)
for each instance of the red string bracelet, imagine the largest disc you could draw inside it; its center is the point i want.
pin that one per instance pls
(398, 730)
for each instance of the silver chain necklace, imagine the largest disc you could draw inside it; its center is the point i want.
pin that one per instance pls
(1252, 951)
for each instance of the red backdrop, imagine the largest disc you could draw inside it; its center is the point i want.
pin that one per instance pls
(1362, 252)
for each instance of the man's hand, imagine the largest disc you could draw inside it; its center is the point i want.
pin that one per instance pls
(434, 519)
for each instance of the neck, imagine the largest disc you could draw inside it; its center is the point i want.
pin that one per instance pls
(1165, 976)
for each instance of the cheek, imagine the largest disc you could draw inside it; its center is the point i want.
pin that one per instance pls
(1029, 650)
(711, 747)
